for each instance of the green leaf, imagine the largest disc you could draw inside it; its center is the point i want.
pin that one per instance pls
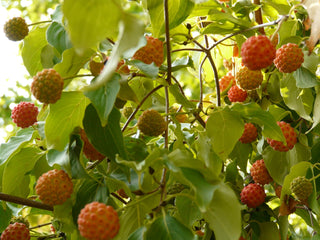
(60, 158)
(32, 49)
(187, 211)
(268, 230)
(179, 10)
(224, 127)
(133, 217)
(253, 113)
(6, 214)
(204, 190)
(150, 70)
(300, 100)
(240, 154)
(224, 214)
(181, 63)
(279, 163)
(89, 191)
(71, 63)
(305, 79)
(22, 138)
(167, 227)
(180, 98)
(104, 97)
(130, 31)
(108, 139)
(57, 36)
(136, 149)
(316, 112)
(64, 116)
(138, 234)
(87, 21)
(15, 176)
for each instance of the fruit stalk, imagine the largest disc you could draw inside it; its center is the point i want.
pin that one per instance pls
(258, 17)
(166, 19)
(23, 201)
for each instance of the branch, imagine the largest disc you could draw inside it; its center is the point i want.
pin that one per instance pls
(166, 19)
(24, 201)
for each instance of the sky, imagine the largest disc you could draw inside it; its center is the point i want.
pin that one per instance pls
(11, 64)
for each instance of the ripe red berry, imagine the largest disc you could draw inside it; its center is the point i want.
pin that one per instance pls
(16, 231)
(257, 52)
(16, 29)
(226, 81)
(88, 149)
(249, 134)
(236, 94)
(24, 114)
(259, 173)
(249, 79)
(289, 58)
(152, 52)
(98, 221)
(47, 86)
(54, 187)
(253, 195)
(290, 136)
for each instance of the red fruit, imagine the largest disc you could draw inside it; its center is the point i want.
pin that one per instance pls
(249, 79)
(152, 52)
(98, 221)
(88, 149)
(54, 187)
(24, 114)
(16, 231)
(290, 136)
(289, 58)
(249, 134)
(259, 173)
(47, 86)
(236, 94)
(257, 52)
(253, 195)
(226, 81)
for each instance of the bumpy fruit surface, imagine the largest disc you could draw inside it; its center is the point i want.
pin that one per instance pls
(259, 173)
(236, 94)
(47, 86)
(290, 136)
(249, 134)
(24, 114)
(249, 79)
(88, 149)
(289, 58)
(257, 52)
(98, 221)
(151, 123)
(226, 81)
(181, 118)
(253, 195)
(16, 231)
(152, 52)
(54, 187)
(127, 111)
(16, 29)
(301, 187)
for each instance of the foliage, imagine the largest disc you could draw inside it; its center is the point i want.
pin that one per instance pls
(185, 183)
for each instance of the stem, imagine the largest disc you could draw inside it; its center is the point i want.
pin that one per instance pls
(250, 29)
(166, 19)
(258, 17)
(24, 201)
(201, 83)
(216, 78)
(119, 198)
(166, 138)
(163, 185)
(37, 23)
(40, 225)
(138, 107)
(187, 49)
(76, 76)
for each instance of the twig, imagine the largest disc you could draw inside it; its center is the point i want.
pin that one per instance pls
(216, 78)
(258, 17)
(119, 198)
(24, 201)
(40, 225)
